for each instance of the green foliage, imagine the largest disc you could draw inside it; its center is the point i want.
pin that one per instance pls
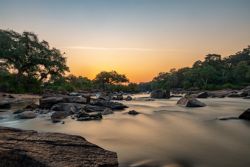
(29, 62)
(212, 73)
(105, 80)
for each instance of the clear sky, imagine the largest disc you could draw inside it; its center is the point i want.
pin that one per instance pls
(139, 38)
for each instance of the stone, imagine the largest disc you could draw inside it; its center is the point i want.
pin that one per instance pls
(160, 94)
(245, 115)
(5, 104)
(69, 107)
(18, 111)
(133, 112)
(24, 148)
(83, 116)
(48, 102)
(202, 95)
(128, 98)
(107, 111)
(190, 102)
(109, 104)
(26, 115)
(93, 108)
(58, 115)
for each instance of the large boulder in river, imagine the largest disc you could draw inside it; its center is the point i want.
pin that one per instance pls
(190, 102)
(128, 98)
(48, 102)
(245, 115)
(110, 104)
(160, 94)
(30, 148)
(26, 115)
(57, 116)
(69, 107)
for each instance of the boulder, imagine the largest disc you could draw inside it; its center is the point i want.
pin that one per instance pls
(92, 108)
(30, 148)
(128, 98)
(5, 104)
(58, 115)
(75, 99)
(245, 115)
(69, 107)
(235, 95)
(107, 111)
(190, 102)
(83, 116)
(26, 115)
(160, 94)
(117, 97)
(133, 112)
(48, 102)
(203, 95)
(110, 104)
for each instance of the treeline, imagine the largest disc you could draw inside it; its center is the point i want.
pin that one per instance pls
(30, 65)
(214, 72)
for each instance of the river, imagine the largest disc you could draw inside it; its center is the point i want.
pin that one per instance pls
(164, 134)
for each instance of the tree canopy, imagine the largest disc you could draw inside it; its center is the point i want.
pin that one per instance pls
(25, 55)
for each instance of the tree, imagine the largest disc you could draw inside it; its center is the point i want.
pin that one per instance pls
(105, 78)
(24, 55)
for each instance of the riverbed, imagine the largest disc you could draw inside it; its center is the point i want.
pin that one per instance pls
(164, 134)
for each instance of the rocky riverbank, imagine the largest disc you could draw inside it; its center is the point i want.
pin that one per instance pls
(29, 148)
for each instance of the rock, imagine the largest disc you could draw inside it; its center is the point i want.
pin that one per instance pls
(26, 115)
(48, 102)
(160, 94)
(83, 116)
(117, 97)
(128, 98)
(202, 95)
(31, 106)
(235, 95)
(107, 111)
(75, 99)
(133, 112)
(190, 102)
(18, 111)
(247, 97)
(5, 104)
(74, 94)
(58, 115)
(110, 104)
(69, 107)
(32, 149)
(245, 115)
(226, 118)
(92, 108)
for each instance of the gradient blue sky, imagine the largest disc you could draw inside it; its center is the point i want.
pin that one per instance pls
(137, 37)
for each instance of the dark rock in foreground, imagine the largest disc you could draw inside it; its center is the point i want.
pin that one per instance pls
(133, 112)
(190, 102)
(29, 148)
(160, 94)
(245, 115)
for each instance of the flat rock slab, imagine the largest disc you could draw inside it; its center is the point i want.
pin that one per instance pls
(24, 148)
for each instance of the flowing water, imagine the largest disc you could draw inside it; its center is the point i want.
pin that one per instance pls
(164, 134)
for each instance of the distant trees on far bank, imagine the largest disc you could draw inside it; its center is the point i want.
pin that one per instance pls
(30, 65)
(213, 72)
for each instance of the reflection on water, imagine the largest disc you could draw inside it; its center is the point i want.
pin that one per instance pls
(164, 134)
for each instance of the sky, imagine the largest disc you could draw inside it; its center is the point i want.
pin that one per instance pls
(139, 38)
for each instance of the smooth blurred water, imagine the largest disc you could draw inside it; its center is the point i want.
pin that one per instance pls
(164, 134)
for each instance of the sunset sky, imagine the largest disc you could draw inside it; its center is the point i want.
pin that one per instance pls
(139, 38)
